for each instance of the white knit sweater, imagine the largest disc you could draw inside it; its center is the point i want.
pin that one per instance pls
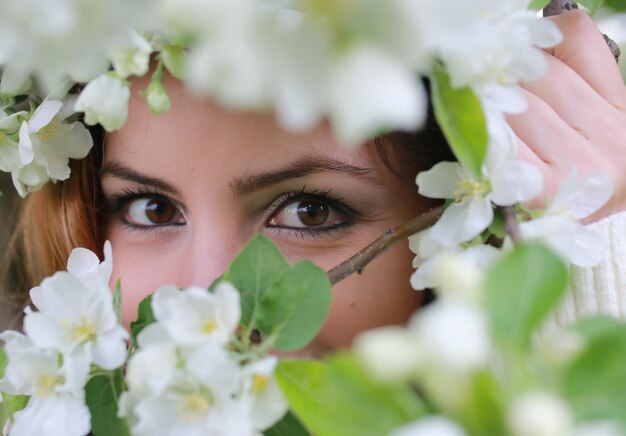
(601, 289)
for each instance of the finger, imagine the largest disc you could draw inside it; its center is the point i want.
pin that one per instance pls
(573, 99)
(550, 179)
(583, 48)
(545, 133)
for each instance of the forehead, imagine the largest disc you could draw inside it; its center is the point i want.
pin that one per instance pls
(198, 135)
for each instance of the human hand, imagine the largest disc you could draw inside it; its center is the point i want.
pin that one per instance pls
(576, 115)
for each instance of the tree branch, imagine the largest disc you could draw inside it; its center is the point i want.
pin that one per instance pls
(392, 236)
(510, 223)
(559, 7)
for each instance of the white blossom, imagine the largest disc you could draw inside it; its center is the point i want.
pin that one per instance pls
(194, 315)
(559, 226)
(267, 402)
(370, 91)
(55, 384)
(76, 315)
(388, 353)
(489, 45)
(86, 264)
(105, 100)
(504, 182)
(133, 59)
(197, 396)
(454, 272)
(430, 426)
(451, 336)
(55, 38)
(539, 413)
(46, 143)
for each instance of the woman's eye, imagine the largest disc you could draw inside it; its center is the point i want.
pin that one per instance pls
(309, 213)
(152, 211)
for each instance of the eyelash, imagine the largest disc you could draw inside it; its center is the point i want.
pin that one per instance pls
(337, 204)
(118, 202)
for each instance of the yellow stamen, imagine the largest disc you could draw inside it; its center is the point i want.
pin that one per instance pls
(209, 326)
(45, 383)
(192, 406)
(49, 131)
(82, 331)
(259, 383)
(468, 189)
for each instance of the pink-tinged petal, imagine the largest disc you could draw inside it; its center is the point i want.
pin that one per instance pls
(462, 222)
(441, 180)
(27, 153)
(515, 182)
(54, 416)
(43, 115)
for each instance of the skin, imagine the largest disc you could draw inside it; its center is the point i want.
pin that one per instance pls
(202, 151)
(576, 118)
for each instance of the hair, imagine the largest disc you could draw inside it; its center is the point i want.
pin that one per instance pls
(67, 214)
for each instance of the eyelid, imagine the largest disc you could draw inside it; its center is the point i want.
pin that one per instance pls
(336, 203)
(115, 203)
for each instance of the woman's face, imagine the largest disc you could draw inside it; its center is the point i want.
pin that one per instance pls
(185, 190)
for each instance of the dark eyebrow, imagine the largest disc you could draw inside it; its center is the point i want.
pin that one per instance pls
(121, 171)
(299, 168)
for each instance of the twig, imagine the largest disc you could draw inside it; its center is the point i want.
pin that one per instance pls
(510, 223)
(392, 236)
(559, 7)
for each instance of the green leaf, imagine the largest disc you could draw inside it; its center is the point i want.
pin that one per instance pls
(594, 380)
(338, 398)
(117, 300)
(538, 4)
(102, 394)
(616, 5)
(296, 307)
(521, 289)
(4, 361)
(174, 58)
(592, 5)
(461, 117)
(145, 317)
(10, 404)
(481, 412)
(288, 426)
(253, 271)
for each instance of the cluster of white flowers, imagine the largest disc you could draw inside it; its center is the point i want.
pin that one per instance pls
(36, 147)
(74, 328)
(185, 380)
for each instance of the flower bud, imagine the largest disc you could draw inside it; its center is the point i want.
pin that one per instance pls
(539, 414)
(157, 98)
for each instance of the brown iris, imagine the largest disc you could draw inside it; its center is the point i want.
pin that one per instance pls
(313, 213)
(159, 211)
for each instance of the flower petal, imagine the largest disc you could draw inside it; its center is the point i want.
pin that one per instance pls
(515, 182)
(43, 115)
(462, 222)
(441, 180)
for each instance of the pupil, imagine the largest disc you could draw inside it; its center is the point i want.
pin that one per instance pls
(159, 212)
(313, 213)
